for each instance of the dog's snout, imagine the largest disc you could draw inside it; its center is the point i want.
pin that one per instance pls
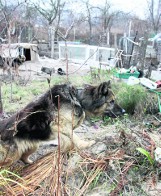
(123, 111)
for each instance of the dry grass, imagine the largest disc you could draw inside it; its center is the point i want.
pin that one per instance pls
(42, 175)
(50, 174)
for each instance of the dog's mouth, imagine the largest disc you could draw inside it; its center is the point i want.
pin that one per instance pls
(114, 114)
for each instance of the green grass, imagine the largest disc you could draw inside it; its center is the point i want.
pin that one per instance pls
(130, 96)
(22, 95)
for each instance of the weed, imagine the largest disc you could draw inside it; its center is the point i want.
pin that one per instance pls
(95, 181)
(7, 177)
(95, 119)
(108, 120)
(129, 96)
(147, 154)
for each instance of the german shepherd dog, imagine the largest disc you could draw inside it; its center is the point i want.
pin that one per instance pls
(16, 62)
(4, 64)
(7, 63)
(60, 110)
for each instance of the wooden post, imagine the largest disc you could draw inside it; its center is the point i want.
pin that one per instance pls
(142, 51)
(1, 103)
(132, 49)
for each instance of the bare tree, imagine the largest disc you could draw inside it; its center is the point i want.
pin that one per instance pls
(51, 11)
(89, 20)
(8, 12)
(154, 14)
(107, 17)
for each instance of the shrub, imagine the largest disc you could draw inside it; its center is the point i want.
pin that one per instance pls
(135, 99)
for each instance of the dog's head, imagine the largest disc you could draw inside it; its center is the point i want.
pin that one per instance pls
(97, 100)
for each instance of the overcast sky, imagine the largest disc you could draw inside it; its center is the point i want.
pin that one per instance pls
(138, 7)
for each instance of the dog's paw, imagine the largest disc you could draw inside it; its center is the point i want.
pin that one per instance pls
(91, 143)
(27, 161)
(85, 144)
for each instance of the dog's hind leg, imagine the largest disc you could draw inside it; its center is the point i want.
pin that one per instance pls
(8, 154)
(25, 156)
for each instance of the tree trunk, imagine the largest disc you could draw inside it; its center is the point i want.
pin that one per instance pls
(52, 41)
(1, 103)
(132, 49)
(142, 51)
(107, 37)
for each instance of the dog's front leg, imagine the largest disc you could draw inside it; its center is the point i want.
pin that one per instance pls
(68, 139)
(79, 143)
(76, 140)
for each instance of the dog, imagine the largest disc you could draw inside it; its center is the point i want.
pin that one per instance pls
(60, 110)
(4, 64)
(7, 63)
(117, 111)
(47, 70)
(16, 62)
(39, 121)
(95, 99)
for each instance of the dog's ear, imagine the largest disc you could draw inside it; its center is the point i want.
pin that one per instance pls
(109, 84)
(103, 88)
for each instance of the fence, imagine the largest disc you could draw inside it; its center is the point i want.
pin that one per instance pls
(80, 53)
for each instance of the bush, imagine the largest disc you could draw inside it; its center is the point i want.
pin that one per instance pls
(135, 99)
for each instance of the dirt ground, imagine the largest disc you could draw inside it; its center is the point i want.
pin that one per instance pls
(33, 69)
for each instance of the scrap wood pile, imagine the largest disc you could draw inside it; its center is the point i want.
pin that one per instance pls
(119, 167)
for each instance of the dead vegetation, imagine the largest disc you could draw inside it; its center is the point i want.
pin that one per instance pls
(118, 169)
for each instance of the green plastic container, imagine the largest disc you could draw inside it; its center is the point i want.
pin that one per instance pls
(159, 98)
(126, 75)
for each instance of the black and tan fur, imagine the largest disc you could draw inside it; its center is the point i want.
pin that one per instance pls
(7, 63)
(38, 122)
(95, 99)
(4, 65)
(16, 62)
(61, 108)
(99, 101)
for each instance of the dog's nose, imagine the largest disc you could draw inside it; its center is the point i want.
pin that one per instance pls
(123, 111)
